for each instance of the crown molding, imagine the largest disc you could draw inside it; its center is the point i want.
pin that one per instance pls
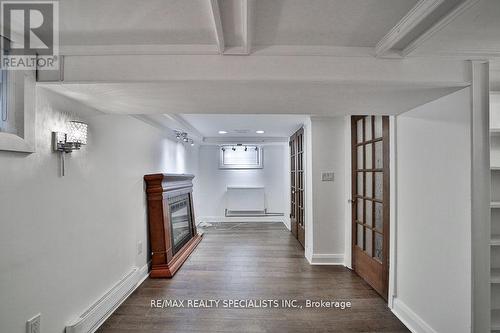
(131, 49)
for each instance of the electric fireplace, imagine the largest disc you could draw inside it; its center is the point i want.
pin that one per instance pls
(172, 229)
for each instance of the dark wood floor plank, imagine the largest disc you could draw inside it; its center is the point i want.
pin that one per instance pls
(254, 261)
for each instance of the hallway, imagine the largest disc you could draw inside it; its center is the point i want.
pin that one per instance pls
(253, 261)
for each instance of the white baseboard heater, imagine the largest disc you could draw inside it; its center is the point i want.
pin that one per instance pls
(98, 312)
(243, 201)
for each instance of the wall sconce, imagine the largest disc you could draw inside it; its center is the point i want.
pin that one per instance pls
(67, 142)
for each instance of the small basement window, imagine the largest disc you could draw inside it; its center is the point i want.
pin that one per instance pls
(240, 157)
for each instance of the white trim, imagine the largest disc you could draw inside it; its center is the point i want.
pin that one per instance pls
(219, 33)
(103, 308)
(308, 182)
(146, 49)
(415, 16)
(479, 260)
(216, 219)
(411, 320)
(392, 288)
(436, 27)
(23, 100)
(348, 194)
(327, 259)
(234, 140)
(315, 50)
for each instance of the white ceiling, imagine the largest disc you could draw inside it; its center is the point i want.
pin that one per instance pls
(276, 22)
(136, 22)
(245, 125)
(326, 22)
(254, 97)
(476, 31)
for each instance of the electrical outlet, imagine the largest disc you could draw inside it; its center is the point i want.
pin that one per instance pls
(33, 325)
(139, 248)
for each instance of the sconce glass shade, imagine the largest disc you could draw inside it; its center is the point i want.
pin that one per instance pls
(77, 132)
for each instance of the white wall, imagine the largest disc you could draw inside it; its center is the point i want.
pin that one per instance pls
(64, 241)
(213, 182)
(328, 198)
(434, 215)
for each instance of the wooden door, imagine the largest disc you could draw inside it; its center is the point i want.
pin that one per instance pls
(370, 208)
(297, 185)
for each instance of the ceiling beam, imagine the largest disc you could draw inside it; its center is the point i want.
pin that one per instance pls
(157, 68)
(415, 16)
(247, 28)
(243, 140)
(247, 16)
(186, 125)
(436, 27)
(168, 124)
(216, 17)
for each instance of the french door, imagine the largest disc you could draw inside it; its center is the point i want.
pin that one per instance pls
(370, 208)
(297, 185)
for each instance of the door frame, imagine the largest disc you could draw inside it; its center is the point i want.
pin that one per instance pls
(294, 152)
(392, 288)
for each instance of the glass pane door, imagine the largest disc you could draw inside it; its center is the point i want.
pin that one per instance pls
(180, 220)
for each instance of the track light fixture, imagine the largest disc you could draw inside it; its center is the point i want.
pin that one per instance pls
(183, 136)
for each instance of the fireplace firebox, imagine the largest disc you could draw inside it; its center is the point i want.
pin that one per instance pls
(172, 229)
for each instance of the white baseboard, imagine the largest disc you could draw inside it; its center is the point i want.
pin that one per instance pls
(410, 318)
(98, 312)
(326, 259)
(215, 219)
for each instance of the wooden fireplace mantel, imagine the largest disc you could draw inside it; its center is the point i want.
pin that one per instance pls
(160, 188)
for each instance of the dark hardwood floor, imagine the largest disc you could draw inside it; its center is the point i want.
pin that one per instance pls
(257, 261)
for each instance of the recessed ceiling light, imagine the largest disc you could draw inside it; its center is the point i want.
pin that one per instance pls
(222, 132)
(259, 132)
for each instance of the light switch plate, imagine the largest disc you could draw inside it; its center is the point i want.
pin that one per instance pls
(327, 176)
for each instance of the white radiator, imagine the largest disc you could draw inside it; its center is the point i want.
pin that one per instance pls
(243, 200)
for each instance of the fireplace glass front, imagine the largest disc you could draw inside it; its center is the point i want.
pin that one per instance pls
(180, 217)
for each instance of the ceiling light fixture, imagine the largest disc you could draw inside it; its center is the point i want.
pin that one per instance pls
(260, 132)
(222, 132)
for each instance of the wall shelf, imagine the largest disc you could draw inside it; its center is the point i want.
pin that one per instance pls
(495, 320)
(495, 275)
(495, 240)
(495, 218)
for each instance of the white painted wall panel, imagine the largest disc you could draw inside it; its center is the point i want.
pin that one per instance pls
(434, 214)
